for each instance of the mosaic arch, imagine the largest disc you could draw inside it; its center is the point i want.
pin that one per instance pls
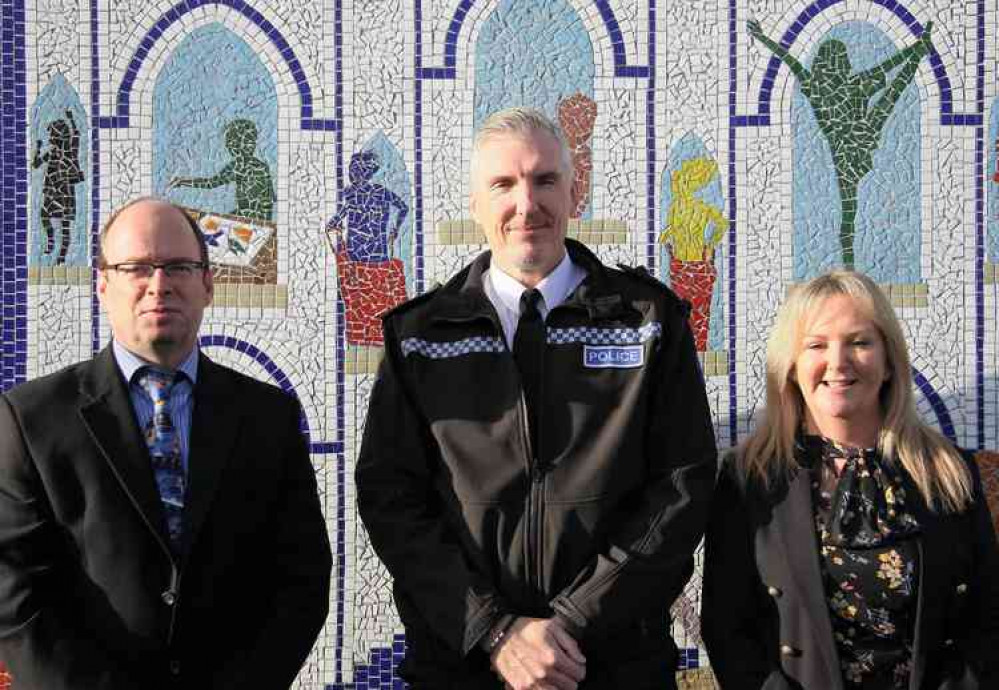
(534, 54)
(60, 189)
(872, 182)
(235, 12)
(195, 101)
(228, 350)
(215, 149)
(692, 229)
(540, 55)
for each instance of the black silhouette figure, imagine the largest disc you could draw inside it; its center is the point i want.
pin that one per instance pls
(62, 174)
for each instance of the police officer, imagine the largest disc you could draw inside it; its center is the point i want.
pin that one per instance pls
(538, 454)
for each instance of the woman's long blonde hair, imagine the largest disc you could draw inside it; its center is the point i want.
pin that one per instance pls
(769, 453)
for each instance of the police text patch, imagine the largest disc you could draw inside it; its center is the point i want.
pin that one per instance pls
(611, 357)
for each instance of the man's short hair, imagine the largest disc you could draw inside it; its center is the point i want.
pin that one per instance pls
(520, 121)
(191, 223)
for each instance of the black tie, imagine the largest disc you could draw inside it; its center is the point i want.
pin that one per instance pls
(529, 352)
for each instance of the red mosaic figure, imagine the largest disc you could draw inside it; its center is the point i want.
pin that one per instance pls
(576, 116)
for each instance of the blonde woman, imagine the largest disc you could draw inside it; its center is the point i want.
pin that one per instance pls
(850, 545)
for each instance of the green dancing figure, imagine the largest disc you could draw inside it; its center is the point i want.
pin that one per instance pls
(846, 115)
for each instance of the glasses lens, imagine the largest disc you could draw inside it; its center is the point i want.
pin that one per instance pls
(135, 271)
(181, 269)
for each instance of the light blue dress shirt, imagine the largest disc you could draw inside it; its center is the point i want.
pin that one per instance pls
(504, 292)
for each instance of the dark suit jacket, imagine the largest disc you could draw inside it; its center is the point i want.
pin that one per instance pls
(90, 595)
(765, 619)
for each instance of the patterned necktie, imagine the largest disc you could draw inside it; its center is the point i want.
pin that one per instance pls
(529, 352)
(164, 449)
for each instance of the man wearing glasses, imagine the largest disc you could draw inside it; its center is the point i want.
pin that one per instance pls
(159, 519)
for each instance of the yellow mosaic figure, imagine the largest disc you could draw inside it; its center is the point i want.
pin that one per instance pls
(691, 267)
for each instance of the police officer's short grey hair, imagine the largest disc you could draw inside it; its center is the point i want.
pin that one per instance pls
(520, 122)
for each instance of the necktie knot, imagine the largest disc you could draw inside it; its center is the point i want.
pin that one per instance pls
(529, 302)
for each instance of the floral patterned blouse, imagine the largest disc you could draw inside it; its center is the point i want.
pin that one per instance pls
(869, 561)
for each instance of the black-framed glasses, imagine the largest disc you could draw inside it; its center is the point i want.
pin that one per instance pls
(144, 270)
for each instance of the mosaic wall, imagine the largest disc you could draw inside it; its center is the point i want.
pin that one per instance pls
(734, 147)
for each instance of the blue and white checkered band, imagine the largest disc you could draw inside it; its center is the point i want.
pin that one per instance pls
(456, 348)
(604, 336)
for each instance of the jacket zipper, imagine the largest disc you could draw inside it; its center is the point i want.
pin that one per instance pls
(535, 504)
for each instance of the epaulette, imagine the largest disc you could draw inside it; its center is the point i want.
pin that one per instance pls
(642, 273)
(412, 302)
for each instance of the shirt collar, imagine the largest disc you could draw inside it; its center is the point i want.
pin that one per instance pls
(130, 363)
(554, 287)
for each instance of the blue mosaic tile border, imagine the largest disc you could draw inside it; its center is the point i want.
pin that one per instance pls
(337, 447)
(95, 175)
(13, 195)
(937, 403)
(980, 230)
(650, 133)
(381, 673)
(733, 206)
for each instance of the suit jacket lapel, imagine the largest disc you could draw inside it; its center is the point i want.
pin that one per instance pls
(794, 520)
(214, 428)
(109, 417)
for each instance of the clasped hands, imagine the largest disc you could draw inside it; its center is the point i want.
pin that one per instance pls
(538, 654)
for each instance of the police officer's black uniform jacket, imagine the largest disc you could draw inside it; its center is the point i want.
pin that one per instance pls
(597, 525)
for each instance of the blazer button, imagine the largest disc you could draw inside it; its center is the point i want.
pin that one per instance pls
(774, 592)
(962, 588)
(788, 650)
(169, 598)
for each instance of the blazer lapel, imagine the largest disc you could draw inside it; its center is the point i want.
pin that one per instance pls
(214, 428)
(793, 519)
(109, 417)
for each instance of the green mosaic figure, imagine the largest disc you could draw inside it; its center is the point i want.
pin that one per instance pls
(841, 101)
(250, 175)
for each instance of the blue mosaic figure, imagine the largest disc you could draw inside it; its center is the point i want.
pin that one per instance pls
(62, 174)
(249, 174)
(366, 206)
(371, 280)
